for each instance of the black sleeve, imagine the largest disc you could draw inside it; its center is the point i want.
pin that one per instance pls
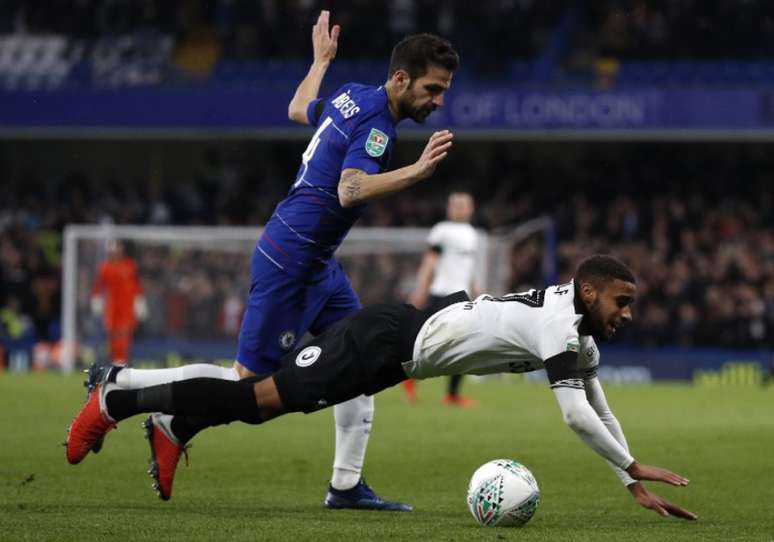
(563, 371)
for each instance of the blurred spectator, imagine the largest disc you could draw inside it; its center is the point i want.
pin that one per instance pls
(695, 222)
(679, 29)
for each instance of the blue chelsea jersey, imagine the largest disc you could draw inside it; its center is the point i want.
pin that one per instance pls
(354, 129)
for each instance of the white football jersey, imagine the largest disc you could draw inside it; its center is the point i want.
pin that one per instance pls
(458, 242)
(515, 333)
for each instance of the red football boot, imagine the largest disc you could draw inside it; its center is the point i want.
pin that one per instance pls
(165, 454)
(90, 425)
(459, 401)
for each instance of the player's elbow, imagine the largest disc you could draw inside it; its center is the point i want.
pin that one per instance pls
(345, 200)
(575, 419)
(349, 194)
(296, 113)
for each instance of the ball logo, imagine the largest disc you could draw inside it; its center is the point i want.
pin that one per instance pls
(308, 355)
(287, 339)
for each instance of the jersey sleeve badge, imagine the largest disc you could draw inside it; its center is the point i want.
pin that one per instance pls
(376, 143)
(573, 346)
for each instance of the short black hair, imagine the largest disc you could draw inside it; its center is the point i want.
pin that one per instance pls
(603, 267)
(459, 189)
(415, 54)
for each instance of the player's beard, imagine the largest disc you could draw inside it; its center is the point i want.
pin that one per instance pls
(596, 323)
(417, 114)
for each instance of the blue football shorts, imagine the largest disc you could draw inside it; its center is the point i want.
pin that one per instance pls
(281, 309)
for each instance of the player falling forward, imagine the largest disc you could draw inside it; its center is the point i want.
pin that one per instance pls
(382, 345)
(297, 285)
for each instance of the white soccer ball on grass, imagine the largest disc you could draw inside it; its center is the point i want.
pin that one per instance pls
(503, 493)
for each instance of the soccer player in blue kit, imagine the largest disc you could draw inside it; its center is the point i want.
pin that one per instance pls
(297, 285)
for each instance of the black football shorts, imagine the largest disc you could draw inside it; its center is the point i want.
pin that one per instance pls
(361, 354)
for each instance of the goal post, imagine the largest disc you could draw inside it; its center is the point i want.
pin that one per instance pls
(196, 280)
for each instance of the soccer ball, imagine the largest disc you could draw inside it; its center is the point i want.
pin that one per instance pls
(503, 493)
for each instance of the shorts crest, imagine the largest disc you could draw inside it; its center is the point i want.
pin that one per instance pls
(308, 356)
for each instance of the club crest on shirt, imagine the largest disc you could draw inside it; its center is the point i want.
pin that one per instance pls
(376, 143)
(287, 339)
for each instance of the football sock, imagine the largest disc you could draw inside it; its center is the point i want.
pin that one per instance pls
(226, 400)
(454, 385)
(186, 427)
(133, 379)
(353, 426)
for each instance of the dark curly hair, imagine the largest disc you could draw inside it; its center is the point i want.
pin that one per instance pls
(603, 267)
(415, 54)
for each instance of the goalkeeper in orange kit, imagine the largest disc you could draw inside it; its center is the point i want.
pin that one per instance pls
(118, 297)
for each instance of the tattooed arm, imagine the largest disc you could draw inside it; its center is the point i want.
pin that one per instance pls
(357, 186)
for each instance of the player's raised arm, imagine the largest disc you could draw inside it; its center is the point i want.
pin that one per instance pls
(357, 186)
(324, 43)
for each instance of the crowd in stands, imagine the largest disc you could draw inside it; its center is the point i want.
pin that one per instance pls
(694, 221)
(524, 41)
(679, 29)
(271, 28)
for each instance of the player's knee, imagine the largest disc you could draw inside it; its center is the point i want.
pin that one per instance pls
(242, 371)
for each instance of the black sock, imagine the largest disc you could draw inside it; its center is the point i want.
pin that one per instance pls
(122, 404)
(186, 427)
(454, 385)
(219, 401)
(113, 373)
(212, 398)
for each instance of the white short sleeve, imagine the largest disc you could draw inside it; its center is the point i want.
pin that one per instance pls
(436, 235)
(557, 336)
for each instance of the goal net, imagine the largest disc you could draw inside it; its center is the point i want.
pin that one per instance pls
(195, 281)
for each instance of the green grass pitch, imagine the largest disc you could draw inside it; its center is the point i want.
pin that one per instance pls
(268, 482)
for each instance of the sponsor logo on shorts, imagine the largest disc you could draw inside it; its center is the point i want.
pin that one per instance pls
(308, 355)
(287, 339)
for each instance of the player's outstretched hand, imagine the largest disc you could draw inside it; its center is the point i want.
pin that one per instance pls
(436, 150)
(324, 42)
(661, 506)
(638, 471)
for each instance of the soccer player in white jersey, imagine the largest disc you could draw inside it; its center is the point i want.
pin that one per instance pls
(448, 266)
(382, 345)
